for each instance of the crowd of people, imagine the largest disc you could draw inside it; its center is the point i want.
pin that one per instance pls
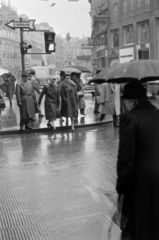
(64, 98)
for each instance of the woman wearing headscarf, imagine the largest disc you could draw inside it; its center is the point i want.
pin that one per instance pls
(69, 100)
(52, 102)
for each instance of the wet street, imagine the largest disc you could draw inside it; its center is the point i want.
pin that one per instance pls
(57, 188)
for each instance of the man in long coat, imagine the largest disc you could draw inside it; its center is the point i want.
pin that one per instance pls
(25, 101)
(138, 164)
(110, 101)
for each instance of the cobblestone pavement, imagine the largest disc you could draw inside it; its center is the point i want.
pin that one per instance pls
(57, 188)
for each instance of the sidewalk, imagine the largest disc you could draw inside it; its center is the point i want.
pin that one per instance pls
(11, 119)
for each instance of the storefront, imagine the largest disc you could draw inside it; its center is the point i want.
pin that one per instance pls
(113, 57)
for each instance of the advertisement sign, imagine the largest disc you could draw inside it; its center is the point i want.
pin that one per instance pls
(126, 55)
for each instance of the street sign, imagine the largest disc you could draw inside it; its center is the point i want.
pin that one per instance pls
(86, 46)
(21, 24)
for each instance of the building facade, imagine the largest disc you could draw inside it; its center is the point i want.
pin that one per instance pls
(132, 32)
(10, 57)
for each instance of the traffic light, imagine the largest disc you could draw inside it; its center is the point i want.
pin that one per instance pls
(49, 42)
(25, 47)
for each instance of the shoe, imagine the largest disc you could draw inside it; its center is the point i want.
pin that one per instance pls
(49, 125)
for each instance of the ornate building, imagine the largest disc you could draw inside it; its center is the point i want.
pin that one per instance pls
(10, 57)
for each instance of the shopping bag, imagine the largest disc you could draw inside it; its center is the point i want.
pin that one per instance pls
(80, 94)
(111, 230)
(116, 223)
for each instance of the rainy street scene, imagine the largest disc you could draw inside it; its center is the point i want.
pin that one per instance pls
(79, 120)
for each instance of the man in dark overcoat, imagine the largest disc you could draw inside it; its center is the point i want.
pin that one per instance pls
(138, 164)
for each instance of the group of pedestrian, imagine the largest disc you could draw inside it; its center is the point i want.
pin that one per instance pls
(62, 99)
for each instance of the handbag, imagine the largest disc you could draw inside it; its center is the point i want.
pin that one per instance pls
(2, 103)
(80, 94)
(116, 224)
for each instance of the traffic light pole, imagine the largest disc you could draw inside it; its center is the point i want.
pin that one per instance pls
(22, 54)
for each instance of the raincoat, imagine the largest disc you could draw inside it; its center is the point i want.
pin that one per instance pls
(24, 95)
(52, 101)
(69, 99)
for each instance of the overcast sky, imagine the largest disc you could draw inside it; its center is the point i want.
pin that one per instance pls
(64, 17)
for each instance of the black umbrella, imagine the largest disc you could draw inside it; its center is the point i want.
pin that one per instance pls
(139, 70)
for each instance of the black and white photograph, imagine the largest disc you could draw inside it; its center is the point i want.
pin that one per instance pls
(79, 119)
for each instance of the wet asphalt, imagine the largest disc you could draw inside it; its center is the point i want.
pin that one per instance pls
(58, 186)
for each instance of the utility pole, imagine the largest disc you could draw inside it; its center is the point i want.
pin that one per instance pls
(22, 53)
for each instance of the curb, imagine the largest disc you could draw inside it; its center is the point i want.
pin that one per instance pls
(58, 129)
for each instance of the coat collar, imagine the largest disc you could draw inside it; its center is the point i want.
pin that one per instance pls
(144, 104)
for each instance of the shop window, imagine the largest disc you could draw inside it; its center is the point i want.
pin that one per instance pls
(115, 10)
(128, 34)
(114, 35)
(143, 32)
(139, 6)
(132, 7)
(147, 5)
(125, 8)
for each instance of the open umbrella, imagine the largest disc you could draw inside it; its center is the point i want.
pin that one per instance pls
(2, 71)
(81, 68)
(71, 69)
(4, 77)
(140, 70)
(102, 76)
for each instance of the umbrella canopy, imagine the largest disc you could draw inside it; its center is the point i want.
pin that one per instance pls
(2, 71)
(102, 76)
(4, 77)
(71, 69)
(142, 70)
(82, 68)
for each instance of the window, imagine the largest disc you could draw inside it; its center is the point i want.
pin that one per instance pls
(114, 37)
(115, 12)
(125, 5)
(147, 5)
(128, 34)
(132, 4)
(139, 6)
(157, 38)
(143, 32)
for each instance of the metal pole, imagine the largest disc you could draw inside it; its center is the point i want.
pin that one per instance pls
(22, 54)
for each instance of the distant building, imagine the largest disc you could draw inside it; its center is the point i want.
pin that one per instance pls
(10, 57)
(76, 52)
(130, 29)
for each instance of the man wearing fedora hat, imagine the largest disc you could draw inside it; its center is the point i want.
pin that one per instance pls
(138, 164)
(25, 101)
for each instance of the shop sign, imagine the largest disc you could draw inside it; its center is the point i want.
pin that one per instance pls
(126, 55)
